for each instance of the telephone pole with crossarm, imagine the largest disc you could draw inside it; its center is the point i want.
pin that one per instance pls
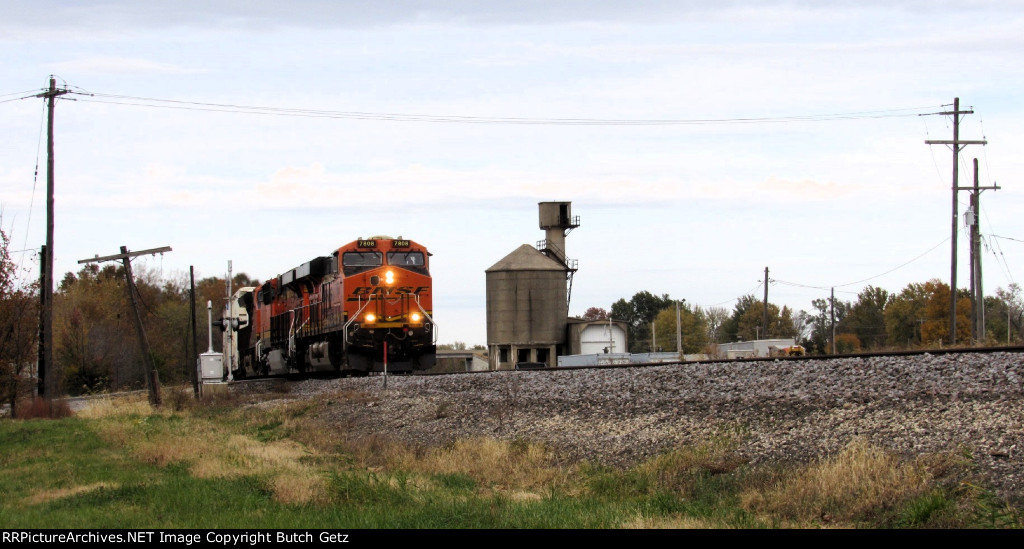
(152, 379)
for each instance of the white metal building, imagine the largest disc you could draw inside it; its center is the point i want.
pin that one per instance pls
(752, 349)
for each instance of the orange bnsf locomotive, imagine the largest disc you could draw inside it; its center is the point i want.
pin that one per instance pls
(366, 305)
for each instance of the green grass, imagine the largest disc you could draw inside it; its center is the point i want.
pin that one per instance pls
(226, 468)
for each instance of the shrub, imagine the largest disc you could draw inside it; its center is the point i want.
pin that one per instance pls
(45, 408)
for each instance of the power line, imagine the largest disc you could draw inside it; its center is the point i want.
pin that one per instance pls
(896, 268)
(21, 93)
(151, 102)
(16, 99)
(35, 176)
(1005, 238)
(746, 293)
(992, 246)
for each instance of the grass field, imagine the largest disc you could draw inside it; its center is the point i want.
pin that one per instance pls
(227, 463)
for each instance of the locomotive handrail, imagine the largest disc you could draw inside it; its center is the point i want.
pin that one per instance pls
(314, 321)
(416, 298)
(344, 329)
(293, 330)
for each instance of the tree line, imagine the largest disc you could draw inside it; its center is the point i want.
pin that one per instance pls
(94, 347)
(915, 317)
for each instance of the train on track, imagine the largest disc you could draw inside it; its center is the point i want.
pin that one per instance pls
(365, 307)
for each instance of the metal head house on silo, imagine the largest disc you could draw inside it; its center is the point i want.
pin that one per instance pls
(528, 296)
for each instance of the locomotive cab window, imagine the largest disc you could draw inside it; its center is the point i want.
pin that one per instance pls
(357, 262)
(412, 261)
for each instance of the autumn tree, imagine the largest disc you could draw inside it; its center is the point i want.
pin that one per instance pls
(866, 318)
(714, 318)
(820, 323)
(692, 325)
(638, 313)
(19, 328)
(847, 343)
(1004, 313)
(595, 313)
(747, 321)
(936, 329)
(93, 335)
(801, 326)
(919, 314)
(730, 327)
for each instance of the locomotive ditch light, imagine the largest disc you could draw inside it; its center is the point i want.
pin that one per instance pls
(370, 317)
(415, 317)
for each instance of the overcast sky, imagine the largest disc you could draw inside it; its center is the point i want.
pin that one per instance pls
(741, 162)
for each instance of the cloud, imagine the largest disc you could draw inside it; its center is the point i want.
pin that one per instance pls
(265, 14)
(55, 18)
(118, 65)
(806, 189)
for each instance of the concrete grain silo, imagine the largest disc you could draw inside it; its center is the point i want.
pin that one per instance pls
(528, 299)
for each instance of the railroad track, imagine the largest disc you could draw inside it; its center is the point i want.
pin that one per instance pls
(757, 360)
(808, 357)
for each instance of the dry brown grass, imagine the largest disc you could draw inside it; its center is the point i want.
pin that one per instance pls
(210, 450)
(640, 522)
(61, 493)
(514, 467)
(115, 406)
(859, 481)
(515, 464)
(676, 470)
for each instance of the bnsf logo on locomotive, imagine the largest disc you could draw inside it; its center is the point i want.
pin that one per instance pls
(364, 291)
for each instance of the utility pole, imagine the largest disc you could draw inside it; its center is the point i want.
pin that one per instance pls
(679, 332)
(956, 144)
(764, 321)
(977, 294)
(970, 218)
(47, 371)
(654, 338)
(41, 360)
(832, 308)
(152, 379)
(611, 337)
(229, 347)
(192, 313)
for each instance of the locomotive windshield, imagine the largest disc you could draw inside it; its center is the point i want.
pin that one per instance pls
(412, 261)
(357, 262)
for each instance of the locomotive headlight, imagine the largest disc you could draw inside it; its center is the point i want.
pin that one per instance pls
(415, 317)
(389, 277)
(370, 317)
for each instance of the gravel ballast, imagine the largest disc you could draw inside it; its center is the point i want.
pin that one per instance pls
(782, 411)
